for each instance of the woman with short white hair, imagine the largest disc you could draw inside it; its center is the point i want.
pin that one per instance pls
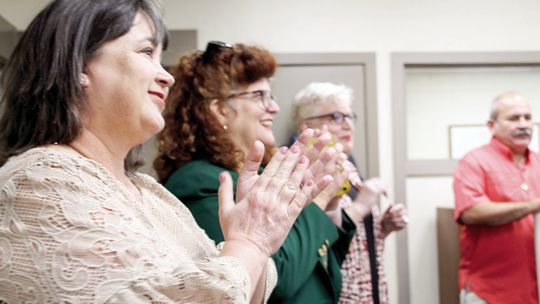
(328, 105)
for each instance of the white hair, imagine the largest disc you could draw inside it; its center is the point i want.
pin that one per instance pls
(314, 95)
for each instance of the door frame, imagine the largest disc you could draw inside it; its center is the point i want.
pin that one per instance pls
(367, 60)
(404, 167)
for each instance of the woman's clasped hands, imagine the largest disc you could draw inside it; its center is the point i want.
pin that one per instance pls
(267, 204)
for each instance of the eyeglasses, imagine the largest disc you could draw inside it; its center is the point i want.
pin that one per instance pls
(265, 97)
(212, 48)
(335, 117)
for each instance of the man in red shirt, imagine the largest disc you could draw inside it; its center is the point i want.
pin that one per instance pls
(497, 192)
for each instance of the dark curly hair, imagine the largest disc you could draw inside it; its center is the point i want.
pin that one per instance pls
(191, 130)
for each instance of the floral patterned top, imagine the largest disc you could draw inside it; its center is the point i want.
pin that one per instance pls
(357, 286)
(70, 232)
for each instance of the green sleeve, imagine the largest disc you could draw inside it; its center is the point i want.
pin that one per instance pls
(346, 233)
(196, 184)
(297, 258)
(206, 215)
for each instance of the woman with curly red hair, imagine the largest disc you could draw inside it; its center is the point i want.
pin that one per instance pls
(204, 82)
(220, 104)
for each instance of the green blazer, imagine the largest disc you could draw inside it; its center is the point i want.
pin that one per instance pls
(308, 263)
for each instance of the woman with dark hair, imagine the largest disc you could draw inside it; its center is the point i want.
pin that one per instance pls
(221, 102)
(83, 88)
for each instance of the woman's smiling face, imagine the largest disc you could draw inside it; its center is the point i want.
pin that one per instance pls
(125, 85)
(250, 120)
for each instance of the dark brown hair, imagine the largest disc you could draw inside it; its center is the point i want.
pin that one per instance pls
(191, 130)
(42, 94)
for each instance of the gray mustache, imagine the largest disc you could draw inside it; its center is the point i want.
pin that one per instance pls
(521, 132)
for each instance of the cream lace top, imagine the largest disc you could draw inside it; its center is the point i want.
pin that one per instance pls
(71, 233)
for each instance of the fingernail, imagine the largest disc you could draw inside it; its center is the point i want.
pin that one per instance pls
(309, 183)
(283, 150)
(294, 149)
(303, 159)
(222, 176)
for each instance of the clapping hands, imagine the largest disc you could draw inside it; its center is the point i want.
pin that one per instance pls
(394, 219)
(269, 203)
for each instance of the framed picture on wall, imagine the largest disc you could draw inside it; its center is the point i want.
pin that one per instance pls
(466, 137)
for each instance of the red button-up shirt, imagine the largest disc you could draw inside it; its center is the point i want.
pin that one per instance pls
(497, 262)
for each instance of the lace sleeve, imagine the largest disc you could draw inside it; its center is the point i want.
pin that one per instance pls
(69, 235)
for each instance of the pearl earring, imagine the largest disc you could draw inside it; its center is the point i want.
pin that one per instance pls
(225, 127)
(81, 81)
